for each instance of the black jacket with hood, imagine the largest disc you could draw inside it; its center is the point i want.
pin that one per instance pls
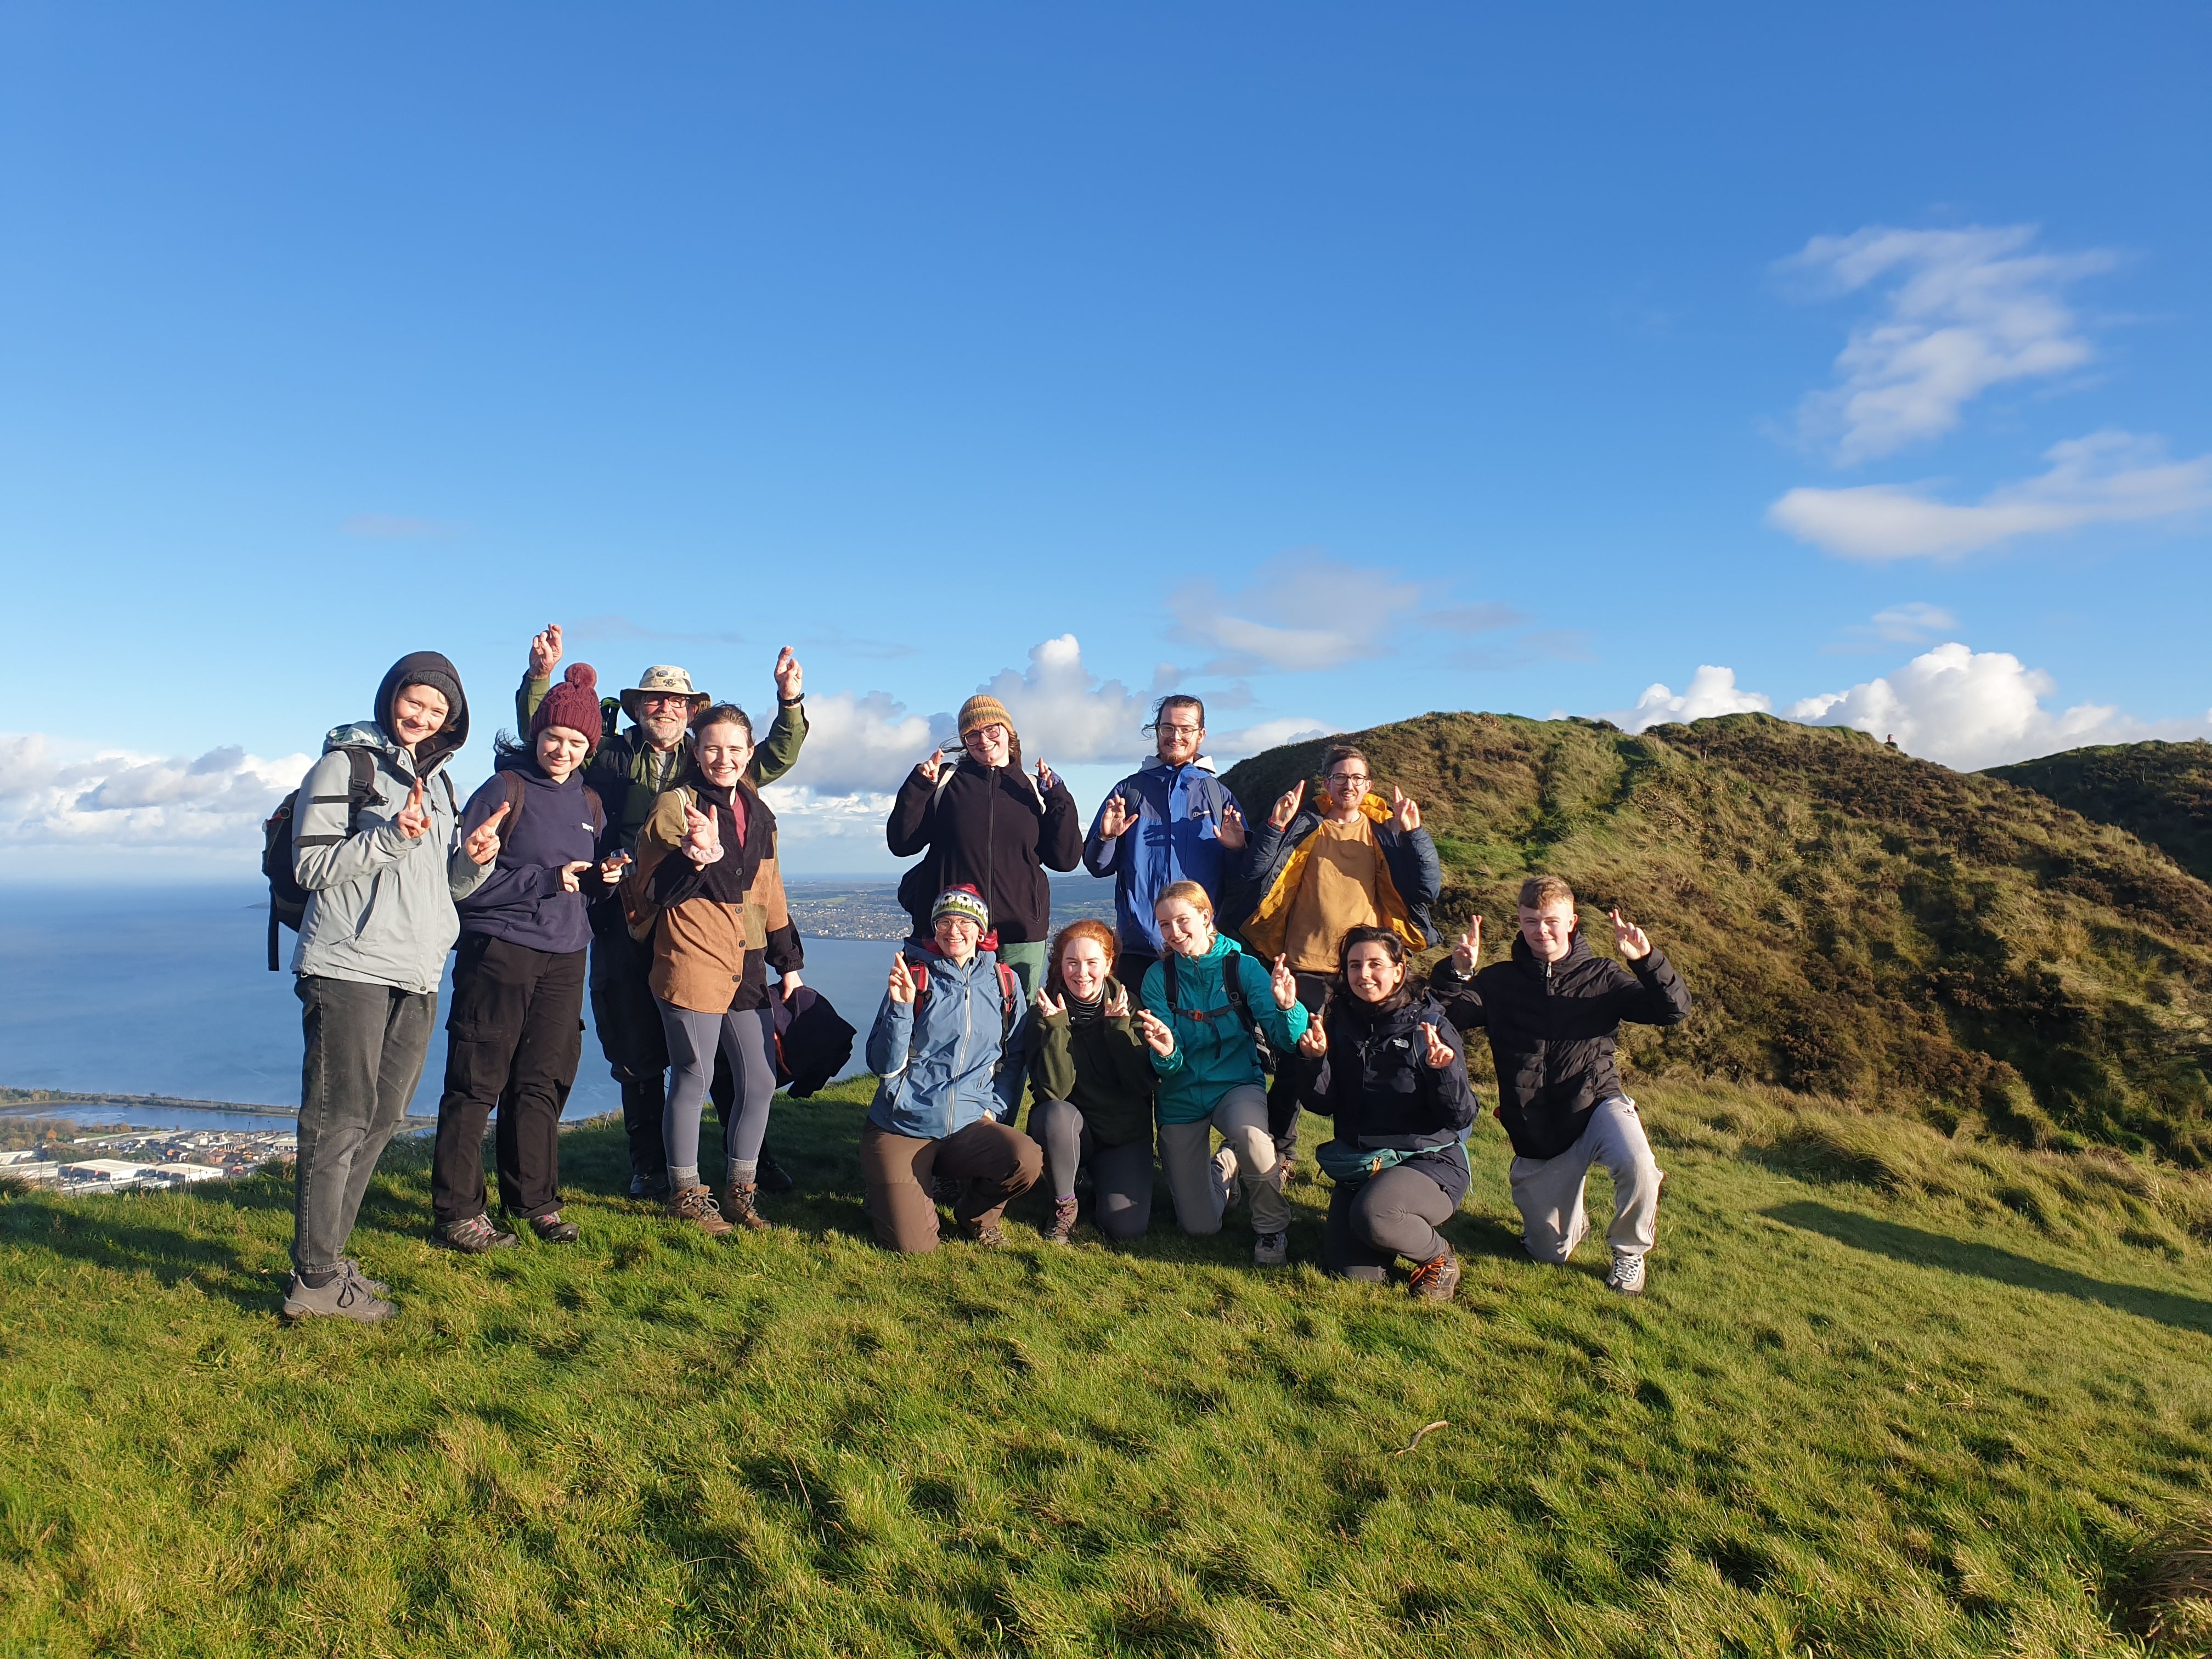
(993, 828)
(1376, 1083)
(1551, 1027)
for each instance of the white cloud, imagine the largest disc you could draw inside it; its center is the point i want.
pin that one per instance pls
(1971, 309)
(1227, 746)
(1300, 611)
(1910, 623)
(137, 801)
(1711, 691)
(1066, 715)
(862, 745)
(2108, 478)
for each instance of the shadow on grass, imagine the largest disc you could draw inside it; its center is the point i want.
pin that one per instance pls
(1928, 1249)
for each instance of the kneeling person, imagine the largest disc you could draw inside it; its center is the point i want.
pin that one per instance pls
(944, 1045)
(1093, 1081)
(1552, 1013)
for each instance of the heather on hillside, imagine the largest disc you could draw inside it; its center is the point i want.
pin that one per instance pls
(2160, 793)
(1855, 922)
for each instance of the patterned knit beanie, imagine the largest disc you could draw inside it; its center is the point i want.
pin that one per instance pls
(574, 703)
(962, 901)
(984, 709)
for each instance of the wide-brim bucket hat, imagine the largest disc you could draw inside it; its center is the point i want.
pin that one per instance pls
(659, 681)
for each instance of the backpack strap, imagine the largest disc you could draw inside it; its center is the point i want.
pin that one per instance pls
(512, 782)
(596, 808)
(1232, 986)
(1010, 1005)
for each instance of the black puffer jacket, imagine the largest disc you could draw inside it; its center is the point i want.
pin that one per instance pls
(1551, 1027)
(991, 827)
(1381, 1092)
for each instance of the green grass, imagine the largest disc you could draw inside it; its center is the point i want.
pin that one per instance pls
(1888, 1394)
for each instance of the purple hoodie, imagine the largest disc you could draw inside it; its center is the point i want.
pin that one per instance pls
(521, 901)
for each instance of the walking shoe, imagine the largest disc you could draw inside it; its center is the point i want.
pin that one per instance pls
(1272, 1250)
(653, 1189)
(945, 1189)
(1627, 1274)
(1438, 1278)
(696, 1205)
(772, 1178)
(985, 1233)
(471, 1237)
(551, 1229)
(738, 1207)
(351, 1269)
(1063, 1221)
(343, 1297)
(1225, 1177)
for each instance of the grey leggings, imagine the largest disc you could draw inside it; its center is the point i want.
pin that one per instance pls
(748, 1039)
(1120, 1177)
(1372, 1223)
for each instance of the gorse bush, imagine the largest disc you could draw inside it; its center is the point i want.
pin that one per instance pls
(1853, 923)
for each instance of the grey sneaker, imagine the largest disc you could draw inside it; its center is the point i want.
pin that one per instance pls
(343, 1297)
(1627, 1274)
(471, 1237)
(351, 1269)
(1272, 1250)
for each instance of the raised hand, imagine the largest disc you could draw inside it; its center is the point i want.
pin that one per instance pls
(1629, 938)
(1157, 1037)
(930, 765)
(1118, 1007)
(1404, 810)
(1229, 831)
(1286, 806)
(414, 822)
(483, 846)
(1438, 1055)
(1468, 950)
(572, 876)
(901, 986)
(702, 835)
(1047, 1006)
(1315, 1043)
(790, 677)
(545, 652)
(1284, 983)
(1045, 779)
(1115, 818)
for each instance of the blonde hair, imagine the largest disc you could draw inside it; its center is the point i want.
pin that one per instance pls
(1190, 893)
(1540, 891)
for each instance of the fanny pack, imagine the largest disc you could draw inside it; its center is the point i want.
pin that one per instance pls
(1345, 1164)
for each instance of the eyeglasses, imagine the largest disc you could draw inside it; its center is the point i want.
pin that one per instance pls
(1164, 730)
(1348, 777)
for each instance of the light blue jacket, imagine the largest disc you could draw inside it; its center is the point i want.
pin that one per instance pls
(939, 1059)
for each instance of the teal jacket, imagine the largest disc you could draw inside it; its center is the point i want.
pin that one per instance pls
(1214, 1052)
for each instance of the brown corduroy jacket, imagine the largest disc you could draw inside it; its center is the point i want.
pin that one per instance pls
(705, 924)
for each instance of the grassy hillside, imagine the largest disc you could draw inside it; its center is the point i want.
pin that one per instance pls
(2160, 793)
(1887, 1396)
(1855, 923)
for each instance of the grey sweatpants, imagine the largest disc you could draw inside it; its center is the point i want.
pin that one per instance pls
(364, 1056)
(1372, 1223)
(1548, 1191)
(1120, 1177)
(748, 1039)
(1187, 1156)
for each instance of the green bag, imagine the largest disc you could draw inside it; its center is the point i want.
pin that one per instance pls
(1342, 1164)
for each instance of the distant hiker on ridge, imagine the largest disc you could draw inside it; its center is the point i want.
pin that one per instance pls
(1552, 1012)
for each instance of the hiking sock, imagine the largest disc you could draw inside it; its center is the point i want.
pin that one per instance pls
(682, 1177)
(742, 1171)
(1064, 1198)
(316, 1281)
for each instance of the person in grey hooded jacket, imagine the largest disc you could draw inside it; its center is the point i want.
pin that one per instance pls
(380, 881)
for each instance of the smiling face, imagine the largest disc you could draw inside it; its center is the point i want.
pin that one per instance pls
(1082, 967)
(1178, 734)
(724, 749)
(989, 746)
(661, 716)
(1550, 931)
(957, 937)
(560, 750)
(1370, 973)
(1186, 930)
(418, 714)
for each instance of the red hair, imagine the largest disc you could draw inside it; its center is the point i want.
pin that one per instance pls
(1088, 927)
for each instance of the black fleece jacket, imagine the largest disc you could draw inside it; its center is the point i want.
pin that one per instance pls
(1552, 1028)
(1378, 1085)
(989, 827)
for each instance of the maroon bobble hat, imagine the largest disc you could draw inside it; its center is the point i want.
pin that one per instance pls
(574, 703)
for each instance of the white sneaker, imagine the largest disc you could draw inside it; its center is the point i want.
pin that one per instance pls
(1225, 1177)
(1272, 1250)
(1627, 1274)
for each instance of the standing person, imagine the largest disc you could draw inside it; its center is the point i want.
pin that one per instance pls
(1393, 1074)
(1172, 820)
(1351, 859)
(945, 1047)
(1204, 1003)
(707, 893)
(380, 881)
(516, 1032)
(1092, 1081)
(1552, 1013)
(630, 772)
(983, 823)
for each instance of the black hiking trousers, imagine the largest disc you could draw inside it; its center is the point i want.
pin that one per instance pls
(1292, 1070)
(512, 1044)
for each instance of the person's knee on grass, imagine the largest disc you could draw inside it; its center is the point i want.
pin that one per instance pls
(1092, 1082)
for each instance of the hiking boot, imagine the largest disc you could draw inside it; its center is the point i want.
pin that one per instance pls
(343, 1297)
(1224, 1177)
(1438, 1278)
(1627, 1274)
(471, 1237)
(1063, 1222)
(738, 1207)
(772, 1176)
(351, 1269)
(551, 1229)
(985, 1233)
(653, 1189)
(696, 1205)
(1271, 1250)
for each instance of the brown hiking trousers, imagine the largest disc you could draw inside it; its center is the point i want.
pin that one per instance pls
(992, 1161)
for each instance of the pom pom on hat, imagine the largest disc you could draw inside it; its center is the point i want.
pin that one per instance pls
(573, 702)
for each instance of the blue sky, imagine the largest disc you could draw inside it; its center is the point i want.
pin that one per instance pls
(1338, 363)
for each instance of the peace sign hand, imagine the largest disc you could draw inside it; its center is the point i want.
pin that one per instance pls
(1047, 1006)
(1315, 1043)
(1439, 1053)
(1229, 832)
(483, 844)
(545, 652)
(414, 822)
(1157, 1037)
(930, 765)
(1045, 779)
(1633, 941)
(1468, 950)
(1286, 806)
(1118, 1007)
(790, 677)
(1115, 818)
(901, 985)
(1284, 983)
(1404, 810)
(703, 836)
